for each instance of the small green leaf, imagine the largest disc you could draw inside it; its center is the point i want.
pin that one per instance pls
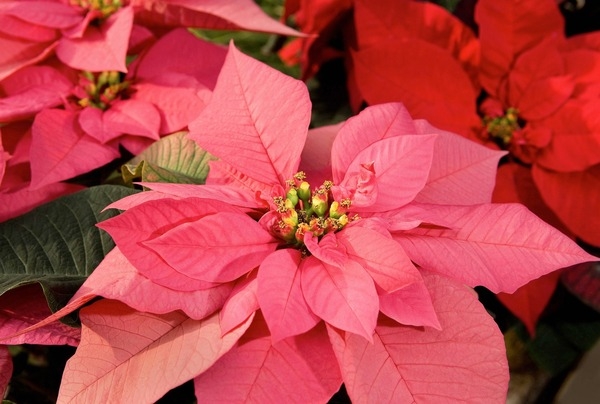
(58, 244)
(173, 159)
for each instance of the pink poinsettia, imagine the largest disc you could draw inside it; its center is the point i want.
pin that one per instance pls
(287, 289)
(519, 85)
(97, 35)
(81, 118)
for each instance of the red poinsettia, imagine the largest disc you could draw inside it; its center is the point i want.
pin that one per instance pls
(287, 289)
(539, 93)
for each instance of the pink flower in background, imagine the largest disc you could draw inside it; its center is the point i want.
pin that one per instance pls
(96, 35)
(298, 272)
(80, 118)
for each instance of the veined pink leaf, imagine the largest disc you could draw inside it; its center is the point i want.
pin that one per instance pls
(181, 52)
(574, 197)
(280, 295)
(129, 356)
(300, 369)
(22, 200)
(508, 28)
(30, 90)
(91, 120)
(6, 369)
(133, 117)
(209, 14)
(215, 248)
(266, 138)
(240, 304)
(133, 228)
(462, 172)
(410, 305)
(101, 48)
(499, 246)
(116, 278)
(369, 126)
(56, 158)
(464, 361)
(233, 196)
(381, 256)
(176, 106)
(344, 297)
(50, 14)
(401, 165)
(22, 30)
(19, 53)
(25, 306)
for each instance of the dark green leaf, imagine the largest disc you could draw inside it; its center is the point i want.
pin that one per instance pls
(58, 244)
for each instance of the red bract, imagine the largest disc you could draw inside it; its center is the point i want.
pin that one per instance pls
(310, 286)
(80, 118)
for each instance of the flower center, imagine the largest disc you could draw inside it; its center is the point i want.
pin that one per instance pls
(103, 8)
(502, 128)
(306, 210)
(99, 89)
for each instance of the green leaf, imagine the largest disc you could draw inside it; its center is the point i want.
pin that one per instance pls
(58, 244)
(173, 159)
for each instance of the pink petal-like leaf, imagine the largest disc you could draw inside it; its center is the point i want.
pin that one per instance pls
(381, 256)
(499, 246)
(128, 356)
(176, 106)
(410, 305)
(265, 139)
(215, 248)
(101, 48)
(343, 297)
(401, 165)
(369, 126)
(133, 228)
(56, 158)
(233, 196)
(6, 369)
(23, 307)
(18, 53)
(30, 90)
(45, 13)
(464, 361)
(22, 200)
(181, 52)
(462, 172)
(300, 369)
(116, 278)
(240, 304)
(209, 14)
(133, 117)
(280, 295)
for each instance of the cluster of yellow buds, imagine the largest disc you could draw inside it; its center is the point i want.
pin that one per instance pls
(304, 210)
(101, 88)
(105, 8)
(502, 128)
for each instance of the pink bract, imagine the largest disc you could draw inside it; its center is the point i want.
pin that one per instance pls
(332, 282)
